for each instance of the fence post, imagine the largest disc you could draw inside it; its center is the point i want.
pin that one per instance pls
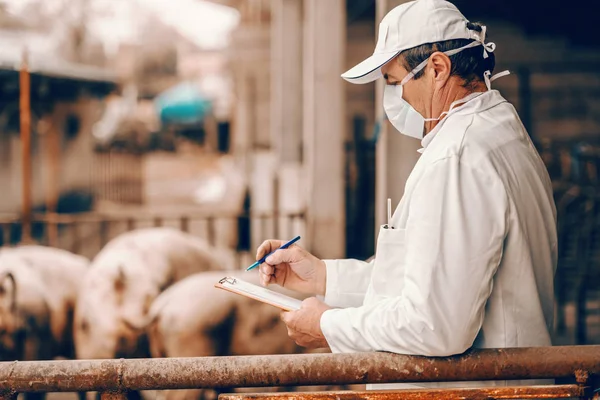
(75, 247)
(130, 224)
(210, 228)
(25, 116)
(582, 378)
(276, 206)
(184, 224)
(52, 229)
(113, 395)
(6, 236)
(263, 226)
(53, 189)
(103, 233)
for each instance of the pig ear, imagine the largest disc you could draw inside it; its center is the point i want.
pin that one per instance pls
(8, 291)
(120, 279)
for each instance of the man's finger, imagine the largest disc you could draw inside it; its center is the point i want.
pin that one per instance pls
(266, 269)
(279, 276)
(288, 255)
(285, 316)
(268, 246)
(264, 279)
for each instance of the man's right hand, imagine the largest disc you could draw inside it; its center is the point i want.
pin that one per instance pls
(293, 268)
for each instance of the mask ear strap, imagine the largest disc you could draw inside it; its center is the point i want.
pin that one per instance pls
(423, 63)
(488, 78)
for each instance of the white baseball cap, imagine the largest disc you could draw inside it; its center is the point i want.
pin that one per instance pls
(409, 25)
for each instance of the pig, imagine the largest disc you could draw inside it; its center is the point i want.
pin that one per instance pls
(193, 319)
(124, 279)
(38, 290)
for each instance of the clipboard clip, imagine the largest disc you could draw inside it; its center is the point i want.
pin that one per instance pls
(229, 280)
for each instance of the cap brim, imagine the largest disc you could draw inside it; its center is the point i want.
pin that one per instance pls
(369, 69)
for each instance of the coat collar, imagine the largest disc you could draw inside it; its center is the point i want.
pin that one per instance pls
(487, 100)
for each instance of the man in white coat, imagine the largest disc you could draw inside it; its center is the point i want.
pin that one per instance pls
(469, 255)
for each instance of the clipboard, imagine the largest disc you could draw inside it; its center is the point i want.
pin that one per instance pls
(279, 300)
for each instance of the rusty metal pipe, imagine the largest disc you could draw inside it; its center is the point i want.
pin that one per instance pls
(502, 392)
(295, 370)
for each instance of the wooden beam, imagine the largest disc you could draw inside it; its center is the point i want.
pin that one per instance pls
(25, 116)
(53, 183)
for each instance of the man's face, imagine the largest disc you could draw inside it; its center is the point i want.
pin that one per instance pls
(418, 93)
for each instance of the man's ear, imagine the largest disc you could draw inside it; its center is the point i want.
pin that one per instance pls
(442, 66)
(8, 291)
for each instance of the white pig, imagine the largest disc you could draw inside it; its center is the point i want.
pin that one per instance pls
(124, 279)
(193, 319)
(38, 290)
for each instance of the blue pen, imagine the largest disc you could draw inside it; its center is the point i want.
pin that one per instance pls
(284, 246)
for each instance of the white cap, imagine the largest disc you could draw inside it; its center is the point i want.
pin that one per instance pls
(409, 25)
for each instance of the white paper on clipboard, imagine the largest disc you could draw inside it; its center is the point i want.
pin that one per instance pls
(259, 293)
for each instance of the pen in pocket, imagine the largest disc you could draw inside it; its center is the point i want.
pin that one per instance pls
(389, 214)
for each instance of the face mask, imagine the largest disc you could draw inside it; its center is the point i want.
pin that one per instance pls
(404, 117)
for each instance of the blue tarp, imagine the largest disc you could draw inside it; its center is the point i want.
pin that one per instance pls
(183, 104)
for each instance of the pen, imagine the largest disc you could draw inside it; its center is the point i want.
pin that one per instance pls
(284, 246)
(389, 213)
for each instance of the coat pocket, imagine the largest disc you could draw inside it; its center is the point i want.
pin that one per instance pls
(388, 272)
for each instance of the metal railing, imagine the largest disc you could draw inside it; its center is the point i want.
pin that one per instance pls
(73, 232)
(114, 378)
(574, 166)
(117, 176)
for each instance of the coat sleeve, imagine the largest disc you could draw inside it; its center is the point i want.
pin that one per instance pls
(347, 282)
(454, 240)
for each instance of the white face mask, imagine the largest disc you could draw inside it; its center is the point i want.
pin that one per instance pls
(404, 117)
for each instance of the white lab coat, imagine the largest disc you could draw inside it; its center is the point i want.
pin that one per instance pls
(470, 260)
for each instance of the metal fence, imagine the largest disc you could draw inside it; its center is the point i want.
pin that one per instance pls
(118, 177)
(575, 368)
(87, 234)
(574, 166)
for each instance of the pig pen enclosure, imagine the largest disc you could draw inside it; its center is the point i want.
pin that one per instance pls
(231, 236)
(113, 230)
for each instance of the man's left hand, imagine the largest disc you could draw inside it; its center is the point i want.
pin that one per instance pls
(304, 325)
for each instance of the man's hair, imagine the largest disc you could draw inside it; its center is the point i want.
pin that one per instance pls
(467, 64)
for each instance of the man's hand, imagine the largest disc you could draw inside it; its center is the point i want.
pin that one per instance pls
(293, 268)
(304, 325)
